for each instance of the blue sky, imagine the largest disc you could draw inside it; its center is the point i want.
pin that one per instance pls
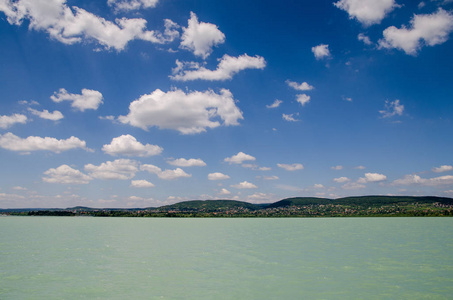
(138, 103)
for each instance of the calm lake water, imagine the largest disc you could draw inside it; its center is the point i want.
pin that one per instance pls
(152, 258)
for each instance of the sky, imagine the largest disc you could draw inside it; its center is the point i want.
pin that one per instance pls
(144, 103)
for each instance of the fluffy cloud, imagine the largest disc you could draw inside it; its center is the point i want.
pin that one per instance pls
(299, 87)
(365, 39)
(275, 104)
(321, 51)
(89, 99)
(372, 177)
(244, 185)
(71, 24)
(367, 12)
(337, 168)
(122, 169)
(217, 176)
(66, 175)
(353, 186)
(303, 99)
(187, 113)
(270, 177)
(141, 184)
(129, 146)
(417, 180)
(167, 174)
(425, 30)
(292, 167)
(200, 37)
(128, 5)
(341, 179)
(45, 114)
(392, 108)
(224, 192)
(8, 121)
(228, 66)
(239, 158)
(12, 142)
(289, 117)
(191, 162)
(444, 168)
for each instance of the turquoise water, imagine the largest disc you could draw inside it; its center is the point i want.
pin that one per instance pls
(139, 258)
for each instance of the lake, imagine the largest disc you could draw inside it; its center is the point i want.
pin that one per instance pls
(256, 258)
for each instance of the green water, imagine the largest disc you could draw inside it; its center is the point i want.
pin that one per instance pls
(138, 258)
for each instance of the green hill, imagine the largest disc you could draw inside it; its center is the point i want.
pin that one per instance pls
(209, 205)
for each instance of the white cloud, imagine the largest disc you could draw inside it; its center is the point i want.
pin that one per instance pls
(89, 99)
(129, 146)
(392, 108)
(337, 168)
(321, 51)
(244, 185)
(122, 169)
(165, 175)
(303, 99)
(227, 67)
(66, 175)
(270, 177)
(189, 113)
(71, 24)
(365, 39)
(425, 30)
(318, 186)
(299, 87)
(259, 197)
(191, 162)
(141, 184)
(353, 186)
(341, 179)
(275, 104)
(217, 176)
(200, 37)
(443, 168)
(372, 177)
(128, 5)
(8, 121)
(290, 117)
(367, 12)
(239, 158)
(291, 167)
(224, 192)
(45, 114)
(360, 168)
(12, 142)
(417, 180)
(19, 188)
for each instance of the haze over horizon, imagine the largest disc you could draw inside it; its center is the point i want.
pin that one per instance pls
(141, 103)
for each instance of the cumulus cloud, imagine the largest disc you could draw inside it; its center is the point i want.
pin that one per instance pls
(8, 121)
(337, 168)
(299, 86)
(291, 167)
(141, 184)
(129, 146)
(217, 176)
(303, 99)
(128, 5)
(71, 24)
(191, 162)
(417, 180)
(227, 67)
(341, 179)
(122, 169)
(321, 51)
(66, 175)
(270, 177)
(244, 185)
(290, 117)
(372, 177)
(89, 99)
(392, 108)
(425, 30)
(353, 186)
(45, 114)
(443, 168)
(12, 142)
(165, 175)
(189, 113)
(224, 192)
(239, 158)
(365, 39)
(367, 12)
(201, 37)
(275, 104)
